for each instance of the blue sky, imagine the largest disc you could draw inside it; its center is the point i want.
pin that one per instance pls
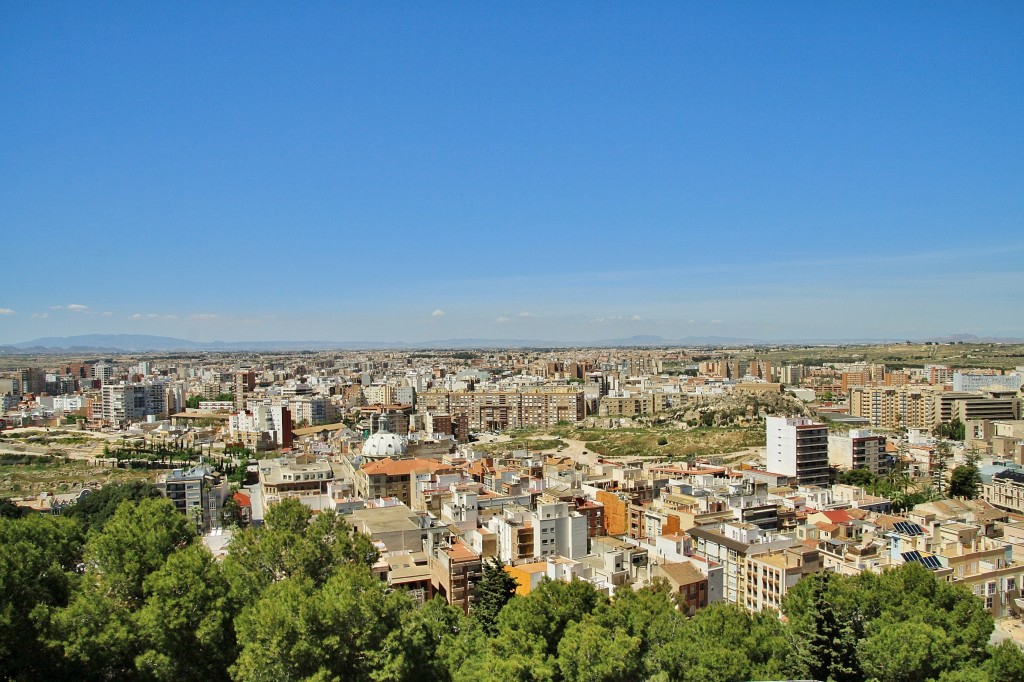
(553, 171)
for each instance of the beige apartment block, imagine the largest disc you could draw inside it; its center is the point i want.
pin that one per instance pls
(891, 407)
(499, 410)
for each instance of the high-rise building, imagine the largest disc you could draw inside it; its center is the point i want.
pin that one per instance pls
(798, 447)
(131, 402)
(33, 381)
(892, 407)
(245, 384)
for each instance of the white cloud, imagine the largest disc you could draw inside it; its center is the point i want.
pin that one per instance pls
(152, 316)
(438, 313)
(525, 314)
(40, 316)
(502, 319)
(7, 311)
(619, 318)
(205, 316)
(107, 313)
(716, 322)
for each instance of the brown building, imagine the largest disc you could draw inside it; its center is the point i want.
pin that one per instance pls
(616, 512)
(688, 584)
(499, 410)
(393, 478)
(594, 511)
(454, 573)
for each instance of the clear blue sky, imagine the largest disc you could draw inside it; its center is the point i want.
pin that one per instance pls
(558, 171)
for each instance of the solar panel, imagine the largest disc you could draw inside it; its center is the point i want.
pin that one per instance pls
(930, 561)
(907, 528)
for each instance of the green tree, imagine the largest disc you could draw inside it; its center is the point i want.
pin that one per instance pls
(859, 477)
(1005, 662)
(296, 631)
(943, 453)
(649, 615)
(192, 402)
(287, 545)
(133, 544)
(871, 604)
(96, 508)
(964, 482)
(590, 652)
(714, 645)
(412, 652)
(38, 555)
(9, 510)
(904, 652)
(495, 589)
(546, 612)
(186, 622)
(231, 513)
(96, 631)
(830, 646)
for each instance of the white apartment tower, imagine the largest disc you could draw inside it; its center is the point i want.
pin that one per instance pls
(798, 447)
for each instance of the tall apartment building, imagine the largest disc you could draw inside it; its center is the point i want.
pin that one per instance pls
(859, 449)
(938, 374)
(791, 375)
(130, 402)
(507, 409)
(32, 381)
(245, 384)
(798, 447)
(103, 371)
(892, 407)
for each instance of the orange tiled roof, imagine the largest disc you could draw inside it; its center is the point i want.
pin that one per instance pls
(401, 467)
(837, 516)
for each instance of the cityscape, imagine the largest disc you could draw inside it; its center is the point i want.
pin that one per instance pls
(553, 343)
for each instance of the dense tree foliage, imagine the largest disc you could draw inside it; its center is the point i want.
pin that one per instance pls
(965, 481)
(9, 510)
(140, 598)
(495, 589)
(953, 430)
(97, 507)
(895, 485)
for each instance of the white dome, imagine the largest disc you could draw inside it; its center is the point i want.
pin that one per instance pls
(384, 444)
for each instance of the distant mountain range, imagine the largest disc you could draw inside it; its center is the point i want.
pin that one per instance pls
(142, 343)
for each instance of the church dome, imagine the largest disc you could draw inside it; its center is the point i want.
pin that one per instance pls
(384, 444)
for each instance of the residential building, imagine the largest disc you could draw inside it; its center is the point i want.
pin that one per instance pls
(499, 410)
(454, 571)
(198, 493)
(132, 402)
(798, 447)
(858, 449)
(966, 381)
(299, 477)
